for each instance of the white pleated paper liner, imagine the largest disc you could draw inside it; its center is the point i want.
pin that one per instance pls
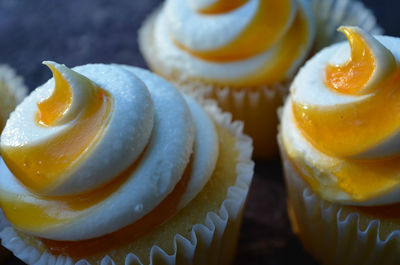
(331, 14)
(12, 92)
(256, 107)
(211, 242)
(332, 236)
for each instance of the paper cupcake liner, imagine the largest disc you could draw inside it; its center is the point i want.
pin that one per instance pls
(330, 14)
(255, 106)
(12, 92)
(332, 234)
(211, 242)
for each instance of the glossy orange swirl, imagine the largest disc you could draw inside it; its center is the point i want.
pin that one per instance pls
(40, 166)
(222, 6)
(353, 75)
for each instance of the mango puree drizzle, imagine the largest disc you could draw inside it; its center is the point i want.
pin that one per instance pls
(349, 130)
(222, 6)
(264, 30)
(354, 74)
(40, 167)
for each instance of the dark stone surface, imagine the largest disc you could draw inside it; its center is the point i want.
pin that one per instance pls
(76, 32)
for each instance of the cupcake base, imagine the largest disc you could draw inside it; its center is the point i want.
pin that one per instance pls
(339, 234)
(204, 232)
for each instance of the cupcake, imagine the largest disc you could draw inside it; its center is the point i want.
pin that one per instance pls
(339, 140)
(12, 91)
(111, 164)
(243, 53)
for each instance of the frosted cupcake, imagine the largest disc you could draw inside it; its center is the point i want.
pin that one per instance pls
(111, 163)
(12, 91)
(340, 132)
(241, 53)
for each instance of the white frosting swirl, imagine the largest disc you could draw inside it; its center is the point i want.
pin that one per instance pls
(202, 33)
(175, 139)
(199, 32)
(122, 143)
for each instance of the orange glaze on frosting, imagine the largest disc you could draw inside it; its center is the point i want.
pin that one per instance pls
(222, 6)
(166, 209)
(353, 75)
(24, 212)
(353, 128)
(53, 108)
(344, 131)
(266, 28)
(40, 167)
(349, 129)
(293, 43)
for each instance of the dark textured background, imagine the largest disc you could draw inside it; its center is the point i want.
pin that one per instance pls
(76, 32)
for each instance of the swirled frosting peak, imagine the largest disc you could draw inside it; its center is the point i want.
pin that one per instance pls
(102, 149)
(53, 141)
(348, 123)
(67, 100)
(369, 65)
(246, 42)
(345, 107)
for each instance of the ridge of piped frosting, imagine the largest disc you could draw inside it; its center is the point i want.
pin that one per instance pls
(241, 43)
(175, 161)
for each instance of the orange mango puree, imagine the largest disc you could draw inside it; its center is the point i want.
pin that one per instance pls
(222, 6)
(345, 131)
(293, 43)
(349, 130)
(353, 75)
(166, 209)
(40, 167)
(35, 212)
(53, 108)
(264, 30)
